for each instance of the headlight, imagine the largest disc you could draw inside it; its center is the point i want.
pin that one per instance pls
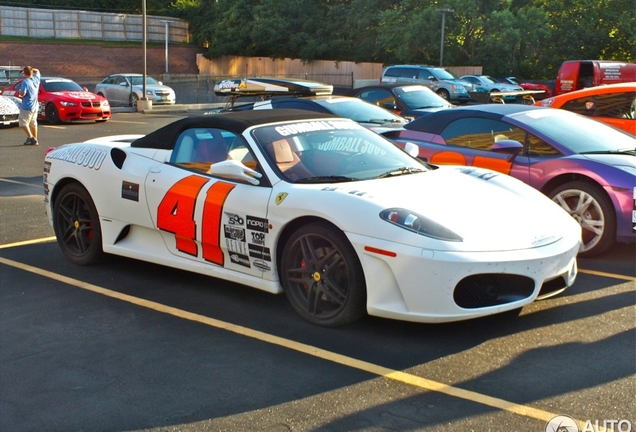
(418, 224)
(459, 89)
(67, 104)
(105, 103)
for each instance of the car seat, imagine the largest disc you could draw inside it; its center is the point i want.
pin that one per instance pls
(288, 161)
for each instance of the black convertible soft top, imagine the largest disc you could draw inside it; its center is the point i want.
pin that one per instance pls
(237, 122)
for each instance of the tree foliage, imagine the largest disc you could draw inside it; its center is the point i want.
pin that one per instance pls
(529, 38)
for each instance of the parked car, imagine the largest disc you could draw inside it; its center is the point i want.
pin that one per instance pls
(491, 85)
(9, 75)
(306, 95)
(580, 74)
(441, 81)
(127, 89)
(526, 85)
(316, 206)
(63, 100)
(9, 110)
(408, 101)
(587, 167)
(614, 104)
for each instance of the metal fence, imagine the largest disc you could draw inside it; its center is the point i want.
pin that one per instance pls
(76, 24)
(199, 89)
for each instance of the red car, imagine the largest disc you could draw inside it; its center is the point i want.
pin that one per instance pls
(614, 104)
(528, 86)
(63, 100)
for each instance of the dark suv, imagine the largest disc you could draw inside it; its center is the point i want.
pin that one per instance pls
(443, 82)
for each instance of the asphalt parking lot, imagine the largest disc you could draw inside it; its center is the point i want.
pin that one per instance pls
(132, 346)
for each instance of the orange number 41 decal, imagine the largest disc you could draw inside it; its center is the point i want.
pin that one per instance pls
(175, 214)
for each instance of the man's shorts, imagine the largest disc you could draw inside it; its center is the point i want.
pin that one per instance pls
(27, 117)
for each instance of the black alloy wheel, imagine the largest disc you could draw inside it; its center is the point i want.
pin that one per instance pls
(52, 115)
(322, 276)
(76, 225)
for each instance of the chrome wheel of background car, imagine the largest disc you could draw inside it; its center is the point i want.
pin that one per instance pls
(52, 116)
(76, 225)
(443, 93)
(322, 276)
(133, 99)
(592, 209)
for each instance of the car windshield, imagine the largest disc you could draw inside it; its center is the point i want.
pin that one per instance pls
(360, 111)
(330, 151)
(443, 74)
(56, 85)
(416, 97)
(577, 133)
(139, 80)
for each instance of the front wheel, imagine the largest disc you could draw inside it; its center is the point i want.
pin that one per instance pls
(322, 276)
(76, 225)
(52, 115)
(133, 99)
(593, 210)
(444, 93)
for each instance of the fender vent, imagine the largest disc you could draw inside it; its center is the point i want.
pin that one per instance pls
(118, 156)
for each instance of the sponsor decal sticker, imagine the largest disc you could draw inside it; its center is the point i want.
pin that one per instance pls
(257, 224)
(259, 252)
(262, 265)
(240, 259)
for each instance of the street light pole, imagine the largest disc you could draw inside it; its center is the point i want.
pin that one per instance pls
(441, 45)
(167, 23)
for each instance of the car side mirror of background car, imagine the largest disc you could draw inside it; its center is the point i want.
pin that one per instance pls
(412, 149)
(235, 169)
(507, 146)
(123, 84)
(389, 106)
(85, 89)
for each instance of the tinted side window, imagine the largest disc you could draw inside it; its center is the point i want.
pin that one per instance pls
(392, 72)
(410, 73)
(480, 133)
(424, 74)
(378, 97)
(617, 105)
(299, 104)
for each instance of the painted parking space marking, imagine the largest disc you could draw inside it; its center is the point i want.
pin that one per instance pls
(395, 375)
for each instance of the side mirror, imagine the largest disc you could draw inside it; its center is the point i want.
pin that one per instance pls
(506, 146)
(389, 106)
(431, 78)
(123, 84)
(412, 149)
(235, 169)
(85, 89)
(159, 82)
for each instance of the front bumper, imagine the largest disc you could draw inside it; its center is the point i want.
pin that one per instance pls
(431, 286)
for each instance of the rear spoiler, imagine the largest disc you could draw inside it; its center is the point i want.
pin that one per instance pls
(269, 87)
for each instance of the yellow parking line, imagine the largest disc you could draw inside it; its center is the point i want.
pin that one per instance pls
(371, 368)
(609, 275)
(27, 242)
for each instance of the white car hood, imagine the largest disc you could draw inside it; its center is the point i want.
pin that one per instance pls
(490, 211)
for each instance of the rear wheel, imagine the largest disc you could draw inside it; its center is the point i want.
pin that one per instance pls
(76, 225)
(593, 210)
(52, 115)
(322, 276)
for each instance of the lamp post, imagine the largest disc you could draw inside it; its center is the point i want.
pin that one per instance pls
(144, 103)
(167, 23)
(441, 45)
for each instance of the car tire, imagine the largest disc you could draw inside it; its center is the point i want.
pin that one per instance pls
(51, 113)
(444, 94)
(76, 225)
(132, 100)
(593, 210)
(322, 276)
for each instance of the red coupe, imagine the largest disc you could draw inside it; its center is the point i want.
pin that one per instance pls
(63, 100)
